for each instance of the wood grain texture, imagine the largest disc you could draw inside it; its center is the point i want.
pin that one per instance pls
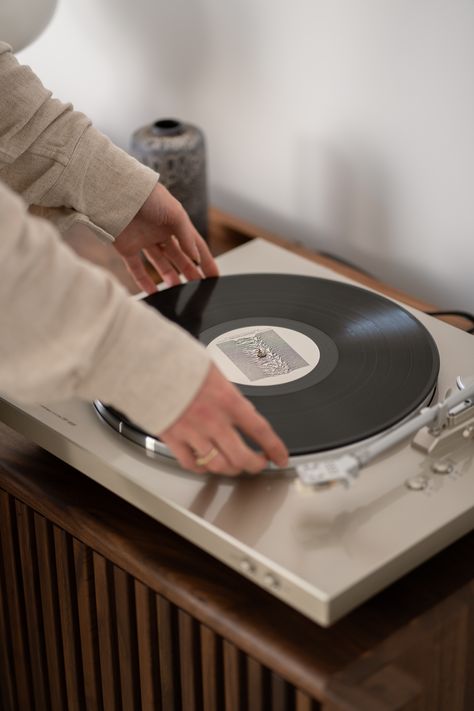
(282, 694)
(51, 616)
(87, 619)
(147, 640)
(69, 616)
(107, 632)
(235, 689)
(127, 639)
(8, 695)
(190, 662)
(168, 654)
(258, 686)
(211, 670)
(304, 703)
(33, 612)
(13, 594)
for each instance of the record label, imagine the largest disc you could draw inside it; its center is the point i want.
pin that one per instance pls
(264, 355)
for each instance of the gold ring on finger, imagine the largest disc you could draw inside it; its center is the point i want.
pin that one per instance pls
(202, 461)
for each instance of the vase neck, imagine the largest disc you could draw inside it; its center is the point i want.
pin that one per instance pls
(167, 127)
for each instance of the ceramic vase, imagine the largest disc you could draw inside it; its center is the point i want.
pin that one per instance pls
(177, 151)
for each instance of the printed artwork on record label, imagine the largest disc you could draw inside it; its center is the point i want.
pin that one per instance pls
(264, 355)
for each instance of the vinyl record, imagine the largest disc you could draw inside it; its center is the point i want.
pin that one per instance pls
(328, 363)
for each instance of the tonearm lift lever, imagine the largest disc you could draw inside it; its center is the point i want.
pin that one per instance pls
(454, 414)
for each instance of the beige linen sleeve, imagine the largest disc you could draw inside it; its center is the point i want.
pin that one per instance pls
(68, 329)
(54, 158)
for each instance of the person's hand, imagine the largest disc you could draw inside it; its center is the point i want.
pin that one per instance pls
(162, 232)
(206, 436)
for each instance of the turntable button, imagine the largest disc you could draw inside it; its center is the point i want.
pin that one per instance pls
(271, 581)
(246, 566)
(442, 467)
(468, 433)
(417, 483)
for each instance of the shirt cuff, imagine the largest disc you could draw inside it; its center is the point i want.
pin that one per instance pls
(104, 182)
(152, 384)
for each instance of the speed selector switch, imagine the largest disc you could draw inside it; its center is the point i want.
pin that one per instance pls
(271, 581)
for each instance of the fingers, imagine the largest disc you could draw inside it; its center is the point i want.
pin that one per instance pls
(167, 271)
(192, 244)
(216, 419)
(214, 459)
(183, 453)
(210, 456)
(188, 456)
(186, 234)
(163, 225)
(251, 423)
(239, 454)
(163, 266)
(137, 269)
(217, 448)
(229, 454)
(207, 262)
(170, 261)
(178, 251)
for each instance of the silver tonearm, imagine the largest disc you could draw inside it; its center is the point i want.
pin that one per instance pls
(456, 411)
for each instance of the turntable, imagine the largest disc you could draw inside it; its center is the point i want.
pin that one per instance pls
(365, 392)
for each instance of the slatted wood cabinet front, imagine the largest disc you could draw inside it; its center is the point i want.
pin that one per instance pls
(79, 632)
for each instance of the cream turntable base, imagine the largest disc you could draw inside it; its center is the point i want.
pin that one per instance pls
(323, 550)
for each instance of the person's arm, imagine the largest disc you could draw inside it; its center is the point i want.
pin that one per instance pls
(54, 158)
(69, 329)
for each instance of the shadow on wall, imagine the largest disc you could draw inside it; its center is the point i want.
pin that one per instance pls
(178, 42)
(341, 200)
(342, 197)
(172, 38)
(344, 202)
(347, 203)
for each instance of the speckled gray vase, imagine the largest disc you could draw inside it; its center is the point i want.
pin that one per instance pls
(177, 151)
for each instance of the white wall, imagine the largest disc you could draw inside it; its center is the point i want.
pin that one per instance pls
(345, 124)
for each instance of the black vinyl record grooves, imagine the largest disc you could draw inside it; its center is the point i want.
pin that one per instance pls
(377, 363)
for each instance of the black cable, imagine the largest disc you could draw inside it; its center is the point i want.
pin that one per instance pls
(346, 263)
(461, 314)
